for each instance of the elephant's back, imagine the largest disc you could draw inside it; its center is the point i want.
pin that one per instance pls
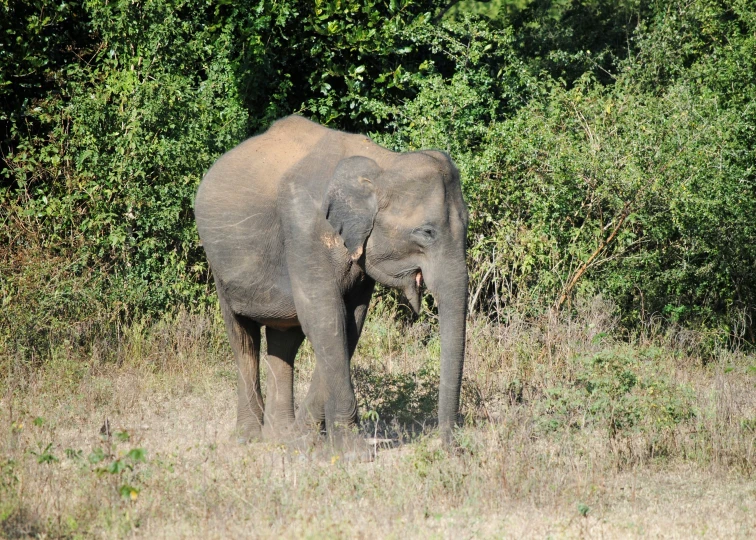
(243, 183)
(237, 214)
(254, 168)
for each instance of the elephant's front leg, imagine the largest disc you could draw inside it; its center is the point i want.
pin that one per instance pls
(322, 313)
(331, 397)
(312, 410)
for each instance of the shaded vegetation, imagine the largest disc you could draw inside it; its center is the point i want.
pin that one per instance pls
(606, 146)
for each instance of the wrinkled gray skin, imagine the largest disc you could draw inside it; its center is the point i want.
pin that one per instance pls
(298, 224)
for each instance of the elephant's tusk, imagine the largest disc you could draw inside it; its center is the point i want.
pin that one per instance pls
(419, 279)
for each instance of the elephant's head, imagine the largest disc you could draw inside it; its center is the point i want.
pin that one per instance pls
(411, 221)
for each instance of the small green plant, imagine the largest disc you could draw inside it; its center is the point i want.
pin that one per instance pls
(45, 455)
(75, 455)
(9, 494)
(620, 389)
(425, 457)
(121, 468)
(583, 509)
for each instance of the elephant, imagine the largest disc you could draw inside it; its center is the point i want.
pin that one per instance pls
(298, 224)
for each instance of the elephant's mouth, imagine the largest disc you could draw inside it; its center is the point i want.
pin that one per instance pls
(413, 290)
(409, 280)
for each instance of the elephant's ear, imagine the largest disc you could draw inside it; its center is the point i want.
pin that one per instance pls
(350, 203)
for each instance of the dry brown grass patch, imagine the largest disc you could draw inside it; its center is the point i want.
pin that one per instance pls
(526, 468)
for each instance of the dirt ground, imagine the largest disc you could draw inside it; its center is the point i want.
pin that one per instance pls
(168, 467)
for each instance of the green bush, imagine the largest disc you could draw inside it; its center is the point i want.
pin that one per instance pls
(605, 147)
(625, 189)
(620, 390)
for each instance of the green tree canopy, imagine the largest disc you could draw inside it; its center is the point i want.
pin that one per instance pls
(606, 146)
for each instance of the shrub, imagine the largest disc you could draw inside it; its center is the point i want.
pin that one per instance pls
(609, 162)
(620, 390)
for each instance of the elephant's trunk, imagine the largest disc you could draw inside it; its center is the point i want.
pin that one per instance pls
(449, 287)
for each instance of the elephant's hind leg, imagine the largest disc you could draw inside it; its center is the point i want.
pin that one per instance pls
(282, 350)
(244, 336)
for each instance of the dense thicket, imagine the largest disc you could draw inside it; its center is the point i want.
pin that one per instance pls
(606, 146)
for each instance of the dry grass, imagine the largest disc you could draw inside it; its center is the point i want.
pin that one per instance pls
(538, 458)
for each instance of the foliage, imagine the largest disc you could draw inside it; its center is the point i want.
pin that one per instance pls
(605, 146)
(404, 397)
(327, 58)
(620, 390)
(37, 42)
(624, 189)
(139, 128)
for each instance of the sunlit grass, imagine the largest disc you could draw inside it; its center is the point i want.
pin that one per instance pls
(563, 436)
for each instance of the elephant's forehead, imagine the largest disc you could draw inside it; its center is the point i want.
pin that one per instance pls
(415, 201)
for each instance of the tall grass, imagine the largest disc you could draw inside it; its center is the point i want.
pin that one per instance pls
(566, 426)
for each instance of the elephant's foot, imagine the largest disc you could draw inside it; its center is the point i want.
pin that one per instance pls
(245, 437)
(352, 447)
(347, 444)
(310, 417)
(341, 428)
(279, 428)
(248, 430)
(341, 421)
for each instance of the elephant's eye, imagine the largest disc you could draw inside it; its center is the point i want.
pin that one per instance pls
(424, 235)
